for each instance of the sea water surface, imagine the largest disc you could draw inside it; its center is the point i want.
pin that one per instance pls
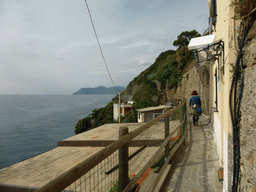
(32, 124)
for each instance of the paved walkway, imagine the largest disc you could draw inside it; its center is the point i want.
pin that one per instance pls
(196, 164)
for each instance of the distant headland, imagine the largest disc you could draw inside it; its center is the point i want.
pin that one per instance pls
(101, 90)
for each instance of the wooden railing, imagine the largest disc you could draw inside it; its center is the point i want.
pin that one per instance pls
(71, 176)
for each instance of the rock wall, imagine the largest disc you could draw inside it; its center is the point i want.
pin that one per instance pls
(248, 116)
(196, 79)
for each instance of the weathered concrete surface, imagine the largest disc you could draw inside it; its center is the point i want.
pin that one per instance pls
(195, 166)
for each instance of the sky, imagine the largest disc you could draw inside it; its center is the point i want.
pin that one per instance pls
(49, 47)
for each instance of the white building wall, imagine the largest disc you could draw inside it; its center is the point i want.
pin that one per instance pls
(225, 163)
(217, 136)
(122, 109)
(116, 112)
(140, 117)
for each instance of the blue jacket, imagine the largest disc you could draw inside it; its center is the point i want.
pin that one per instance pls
(194, 100)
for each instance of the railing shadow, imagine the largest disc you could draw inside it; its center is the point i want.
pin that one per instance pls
(177, 176)
(205, 175)
(183, 152)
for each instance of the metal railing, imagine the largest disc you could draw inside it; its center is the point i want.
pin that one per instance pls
(126, 159)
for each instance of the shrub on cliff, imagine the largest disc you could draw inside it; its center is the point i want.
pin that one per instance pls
(185, 37)
(97, 118)
(83, 125)
(130, 117)
(184, 56)
(144, 96)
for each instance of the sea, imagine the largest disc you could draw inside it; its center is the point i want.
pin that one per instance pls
(32, 124)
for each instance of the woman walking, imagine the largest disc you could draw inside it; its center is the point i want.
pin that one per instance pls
(195, 102)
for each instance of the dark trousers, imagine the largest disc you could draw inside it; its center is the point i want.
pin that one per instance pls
(195, 119)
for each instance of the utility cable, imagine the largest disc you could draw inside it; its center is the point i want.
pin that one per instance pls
(235, 108)
(99, 44)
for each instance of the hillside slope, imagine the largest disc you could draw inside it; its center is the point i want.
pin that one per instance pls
(149, 87)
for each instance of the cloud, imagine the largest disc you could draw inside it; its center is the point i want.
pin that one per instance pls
(136, 44)
(49, 46)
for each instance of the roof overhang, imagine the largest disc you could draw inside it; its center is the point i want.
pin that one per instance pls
(201, 42)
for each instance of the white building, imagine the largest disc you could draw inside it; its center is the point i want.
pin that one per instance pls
(122, 110)
(149, 113)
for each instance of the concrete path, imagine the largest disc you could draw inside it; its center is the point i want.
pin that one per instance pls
(195, 166)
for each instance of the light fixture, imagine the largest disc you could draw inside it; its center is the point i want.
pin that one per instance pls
(206, 49)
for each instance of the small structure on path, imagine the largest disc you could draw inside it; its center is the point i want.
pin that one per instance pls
(149, 113)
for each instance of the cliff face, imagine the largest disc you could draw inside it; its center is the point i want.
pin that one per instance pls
(178, 85)
(197, 78)
(168, 82)
(149, 88)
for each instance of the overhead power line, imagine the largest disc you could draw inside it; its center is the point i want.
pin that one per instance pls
(99, 43)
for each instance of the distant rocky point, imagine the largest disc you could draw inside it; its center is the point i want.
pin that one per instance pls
(99, 90)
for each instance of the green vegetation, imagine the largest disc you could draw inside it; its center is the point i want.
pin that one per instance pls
(149, 87)
(115, 186)
(185, 37)
(97, 118)
(83, 125)
(183, 54)
(235, 72)
(130, 117)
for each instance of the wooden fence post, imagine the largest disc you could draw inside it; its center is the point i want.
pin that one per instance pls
(183, 114)
(123, 161)
(167, 131)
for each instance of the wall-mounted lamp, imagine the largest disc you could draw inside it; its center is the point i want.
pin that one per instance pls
(206, 49)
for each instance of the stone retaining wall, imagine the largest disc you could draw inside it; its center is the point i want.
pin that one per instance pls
(248, 117)
(196, 79)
